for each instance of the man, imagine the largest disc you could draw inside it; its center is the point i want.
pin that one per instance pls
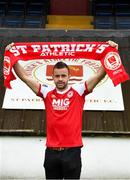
(64, 107)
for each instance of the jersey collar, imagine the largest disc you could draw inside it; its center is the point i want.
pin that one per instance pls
(63, 92)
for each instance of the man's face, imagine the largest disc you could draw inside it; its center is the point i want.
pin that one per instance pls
(61, 78)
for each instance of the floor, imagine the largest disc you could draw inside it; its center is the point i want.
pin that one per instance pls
(103, 158)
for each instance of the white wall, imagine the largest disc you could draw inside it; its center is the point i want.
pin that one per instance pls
(102, 158)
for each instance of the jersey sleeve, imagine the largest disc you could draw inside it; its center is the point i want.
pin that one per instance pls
(81, 88)
(43, 90)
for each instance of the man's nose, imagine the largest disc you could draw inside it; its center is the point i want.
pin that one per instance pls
(60, 78)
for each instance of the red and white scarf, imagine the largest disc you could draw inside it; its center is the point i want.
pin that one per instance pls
(102, 51)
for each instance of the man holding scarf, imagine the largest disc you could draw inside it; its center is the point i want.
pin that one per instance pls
(64, 108)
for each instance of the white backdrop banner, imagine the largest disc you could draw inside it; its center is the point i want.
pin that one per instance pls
(104, 97)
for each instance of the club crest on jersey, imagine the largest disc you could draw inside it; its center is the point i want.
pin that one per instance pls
(70, 94)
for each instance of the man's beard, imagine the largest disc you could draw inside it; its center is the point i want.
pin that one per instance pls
(64, 85)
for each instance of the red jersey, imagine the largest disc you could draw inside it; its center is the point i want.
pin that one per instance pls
(64, 114)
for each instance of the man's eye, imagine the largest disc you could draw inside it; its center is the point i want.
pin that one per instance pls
(63, 75)
(57, 76)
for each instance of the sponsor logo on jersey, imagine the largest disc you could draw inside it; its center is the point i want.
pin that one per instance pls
(60, 104)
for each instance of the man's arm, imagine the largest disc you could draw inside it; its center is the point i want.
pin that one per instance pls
(34, 85)
(95, 79)
(22, 74)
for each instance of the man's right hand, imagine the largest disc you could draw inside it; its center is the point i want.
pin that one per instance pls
(9, 46)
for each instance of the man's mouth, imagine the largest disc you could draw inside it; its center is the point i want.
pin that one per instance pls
(60, 83)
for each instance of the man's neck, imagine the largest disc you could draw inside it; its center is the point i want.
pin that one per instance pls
(61, 91)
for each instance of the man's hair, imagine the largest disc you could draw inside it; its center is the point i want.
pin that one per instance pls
(60, 65)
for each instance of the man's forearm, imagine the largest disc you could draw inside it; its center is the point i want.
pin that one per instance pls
(101, 73)
(20, 71)
(28, 80)
(95, 79)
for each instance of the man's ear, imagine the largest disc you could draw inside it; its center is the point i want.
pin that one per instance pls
(69, 75)
(52, 76)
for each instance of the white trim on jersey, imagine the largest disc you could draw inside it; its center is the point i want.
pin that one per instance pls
(80, 88)
(63, 92)
(45, 89)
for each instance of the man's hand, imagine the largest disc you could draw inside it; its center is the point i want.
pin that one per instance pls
(9, 46)
(113, 44)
